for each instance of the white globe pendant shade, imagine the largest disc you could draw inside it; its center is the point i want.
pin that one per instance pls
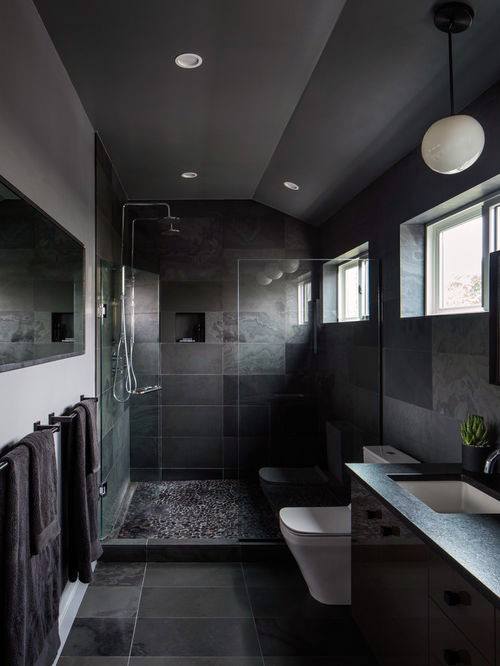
(291, 265)
(273, 271)
(453, 144)
(263, 280)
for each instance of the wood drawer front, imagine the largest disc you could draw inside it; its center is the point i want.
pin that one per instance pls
(448, 645)
(461, 602)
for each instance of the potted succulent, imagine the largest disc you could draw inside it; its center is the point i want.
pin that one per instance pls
(475, 443)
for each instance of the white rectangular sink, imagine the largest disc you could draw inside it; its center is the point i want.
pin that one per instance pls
(451, 496)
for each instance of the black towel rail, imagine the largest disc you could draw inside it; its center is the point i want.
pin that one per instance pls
(39, 426)
(64, 418)
(86, 397)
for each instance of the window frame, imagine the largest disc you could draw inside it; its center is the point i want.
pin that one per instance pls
(363, 289)
(304, 289)
(433, 282)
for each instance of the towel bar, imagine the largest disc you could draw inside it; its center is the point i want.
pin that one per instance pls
(86, 397)
(3, 465)
(54, 420)
(38, 426)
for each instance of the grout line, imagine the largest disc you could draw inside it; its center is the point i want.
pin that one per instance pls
(137, 614)
(251, 610)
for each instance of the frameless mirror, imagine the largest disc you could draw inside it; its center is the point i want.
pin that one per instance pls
(41, 285)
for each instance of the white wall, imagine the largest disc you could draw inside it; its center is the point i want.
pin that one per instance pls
(46, 152)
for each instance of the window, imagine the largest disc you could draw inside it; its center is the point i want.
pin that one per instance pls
(303, 297)
(456, 257)
(352, 290)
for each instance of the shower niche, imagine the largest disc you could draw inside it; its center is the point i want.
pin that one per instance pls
(189, 327)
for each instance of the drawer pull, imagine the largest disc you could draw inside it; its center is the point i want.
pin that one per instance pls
(374, 514)
(456, 598)
(389, 530)
(452, 657)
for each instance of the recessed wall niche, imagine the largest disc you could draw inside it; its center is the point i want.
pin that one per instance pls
(189, 327)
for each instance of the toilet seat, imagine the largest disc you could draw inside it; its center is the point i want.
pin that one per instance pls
(320, 521)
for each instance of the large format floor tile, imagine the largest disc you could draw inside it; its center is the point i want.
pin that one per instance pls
(93, 661)
(302, 637)
(118, 573)
(197, 661)
(193, 574)
(195, 637)
(222, 602)
(272, 574)
(99, 637)
(291, 602)
(110, 602)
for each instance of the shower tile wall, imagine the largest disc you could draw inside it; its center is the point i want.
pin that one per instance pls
(114, 416)
(198, 274)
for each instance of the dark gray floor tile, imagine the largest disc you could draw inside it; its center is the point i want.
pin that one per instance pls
(193, 574)
(319, 661)
(267, 574)
(195, 637)
(93, 661)
(303, 637)
(99, 637)
(220, 602)
(110, 602)
(291, 602)
(118, 573)
(196, 661)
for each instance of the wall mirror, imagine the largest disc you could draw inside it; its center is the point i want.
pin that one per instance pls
(41, 285)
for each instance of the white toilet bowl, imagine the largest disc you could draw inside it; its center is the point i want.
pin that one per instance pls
(319, 539)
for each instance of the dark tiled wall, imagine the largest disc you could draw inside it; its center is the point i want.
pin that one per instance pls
(436, 368)
(198, 274)
(114, 416)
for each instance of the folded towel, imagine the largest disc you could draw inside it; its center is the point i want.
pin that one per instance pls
(84, 545)
(30, 584)
(92, 453)
(44, 521)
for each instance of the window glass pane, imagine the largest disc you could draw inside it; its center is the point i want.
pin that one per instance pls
(461, 251)
(351, 292)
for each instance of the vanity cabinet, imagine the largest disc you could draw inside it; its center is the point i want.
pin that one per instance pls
(389, 583)
(412, 606)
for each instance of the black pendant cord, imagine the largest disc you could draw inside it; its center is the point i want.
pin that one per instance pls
(450, 64)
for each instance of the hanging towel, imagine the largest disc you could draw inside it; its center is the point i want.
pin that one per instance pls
(44, 521)
(84, 545)
(31, 591)
(92, 458)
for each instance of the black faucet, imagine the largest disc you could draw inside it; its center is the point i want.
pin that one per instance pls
(491, 460)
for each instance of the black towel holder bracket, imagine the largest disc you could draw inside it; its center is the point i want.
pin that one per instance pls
(54, 427)
(64, 418)
(86, 397)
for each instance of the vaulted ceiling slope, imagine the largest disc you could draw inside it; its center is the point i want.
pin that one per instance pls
(325, 93)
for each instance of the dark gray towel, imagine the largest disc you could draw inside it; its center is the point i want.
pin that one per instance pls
(44, 521)
(92, 458)
(29, 603)
(84, 545)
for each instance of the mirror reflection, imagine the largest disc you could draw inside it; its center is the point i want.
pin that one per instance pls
(41, 286)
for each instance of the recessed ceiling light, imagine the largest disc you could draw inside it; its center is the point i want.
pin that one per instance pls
(189, 174)
(188, 60)
(290, 185)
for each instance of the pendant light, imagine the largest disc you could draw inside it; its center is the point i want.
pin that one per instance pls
(454, 143)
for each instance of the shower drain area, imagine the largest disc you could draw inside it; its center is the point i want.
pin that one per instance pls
(202, 509)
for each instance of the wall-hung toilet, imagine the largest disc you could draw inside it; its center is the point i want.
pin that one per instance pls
(319, 538)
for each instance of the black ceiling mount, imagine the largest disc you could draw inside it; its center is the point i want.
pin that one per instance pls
(453, 17)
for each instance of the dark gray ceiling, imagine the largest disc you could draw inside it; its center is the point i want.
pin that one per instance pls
(289, 90)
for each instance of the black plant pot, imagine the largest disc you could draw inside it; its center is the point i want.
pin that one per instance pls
(474, 457)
